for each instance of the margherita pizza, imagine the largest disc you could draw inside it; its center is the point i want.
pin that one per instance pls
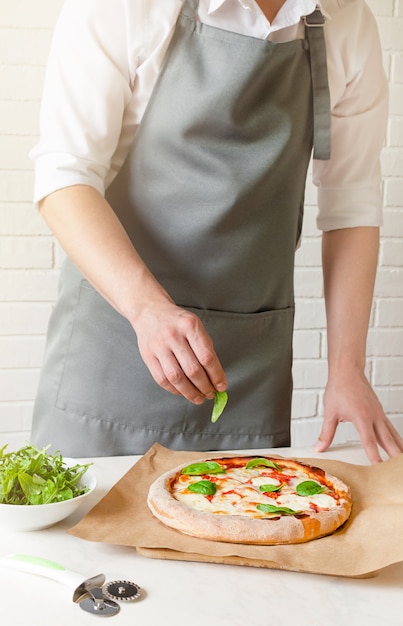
(251, 500)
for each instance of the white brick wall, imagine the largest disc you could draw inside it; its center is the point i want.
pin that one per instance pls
(29, 257)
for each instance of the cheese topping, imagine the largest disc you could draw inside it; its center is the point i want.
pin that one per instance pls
(240, 491)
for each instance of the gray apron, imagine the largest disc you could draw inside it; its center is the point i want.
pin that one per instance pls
(211, 195)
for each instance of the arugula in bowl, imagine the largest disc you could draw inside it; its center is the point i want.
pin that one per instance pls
(32, 476)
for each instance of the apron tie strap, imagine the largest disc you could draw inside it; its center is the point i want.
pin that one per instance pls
(314, 24)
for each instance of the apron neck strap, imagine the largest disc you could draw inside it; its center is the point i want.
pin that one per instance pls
(314, 29)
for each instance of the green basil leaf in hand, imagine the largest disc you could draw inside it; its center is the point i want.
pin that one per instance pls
(220, 401)
(205, 487)
(309, 488)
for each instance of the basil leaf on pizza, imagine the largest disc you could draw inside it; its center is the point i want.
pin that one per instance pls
(205, 487)
(270, 488)
(270, 508)
(262, 462)
(207, 467)
(309, 488)
(250, 499)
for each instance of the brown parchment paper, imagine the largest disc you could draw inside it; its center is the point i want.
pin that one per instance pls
(371, 540)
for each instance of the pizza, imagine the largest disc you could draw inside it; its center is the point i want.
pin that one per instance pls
(250, 499)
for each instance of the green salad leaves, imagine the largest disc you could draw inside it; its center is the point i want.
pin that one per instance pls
(32, 476)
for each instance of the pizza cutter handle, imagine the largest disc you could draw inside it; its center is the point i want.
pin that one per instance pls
(50, 569)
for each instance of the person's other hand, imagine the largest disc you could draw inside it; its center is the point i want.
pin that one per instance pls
(350, 398)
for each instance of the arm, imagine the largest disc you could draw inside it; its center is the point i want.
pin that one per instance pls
(173, 342)
(349, 267)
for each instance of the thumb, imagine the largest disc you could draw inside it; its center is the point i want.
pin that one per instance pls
(326, 435)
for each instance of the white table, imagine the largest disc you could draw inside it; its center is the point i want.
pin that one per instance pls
(181, 593)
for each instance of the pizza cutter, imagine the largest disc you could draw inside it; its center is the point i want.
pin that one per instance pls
(93, 594)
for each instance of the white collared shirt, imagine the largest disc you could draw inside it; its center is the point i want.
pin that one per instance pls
(105, 58)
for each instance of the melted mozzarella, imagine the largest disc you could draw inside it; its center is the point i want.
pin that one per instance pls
(238, 493)
(265, 480)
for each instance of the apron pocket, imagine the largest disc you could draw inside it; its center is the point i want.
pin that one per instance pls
(104, 376)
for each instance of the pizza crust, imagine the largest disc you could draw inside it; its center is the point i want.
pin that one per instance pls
(284, 529)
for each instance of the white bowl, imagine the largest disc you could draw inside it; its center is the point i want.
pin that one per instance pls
(22, 517)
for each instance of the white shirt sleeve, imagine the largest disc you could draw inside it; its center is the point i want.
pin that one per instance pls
(349, 185)
(81, 122)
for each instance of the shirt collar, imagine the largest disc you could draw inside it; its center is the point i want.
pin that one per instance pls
(306, 6)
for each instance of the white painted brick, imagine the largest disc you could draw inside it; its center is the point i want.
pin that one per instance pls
(309, 253)
(385, 342)
(388, 372)
(26, 252)
(14, 151)
(60, 255)
(310, 314)
(14, 440)
(21, 352)
(24, 46)
(21, 82)
(381, 7)
(396, 98)
(308, 283)
(16, 186)
(392, 252)
(19, 118)
(392, 162)
(309, 227)
(18, 385)
(305, 432)
(397, 68)
(390, 30)
(395, 132)
(311, 192)
(14, 416)
(306, 344)
(391, 400)
(32, 286)
(389, 313)
(304, 404)
(309, 374)
(392, 222)
(21, 219)
(389, 283)
(394, 192)
(28, 14)
(24, 318)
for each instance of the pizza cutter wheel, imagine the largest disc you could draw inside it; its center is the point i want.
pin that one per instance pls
(122, 590)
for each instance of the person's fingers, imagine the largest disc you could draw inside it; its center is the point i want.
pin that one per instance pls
(388, 438)
(327, 434)
(202, 347)
(171, 375)
(369, 441)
